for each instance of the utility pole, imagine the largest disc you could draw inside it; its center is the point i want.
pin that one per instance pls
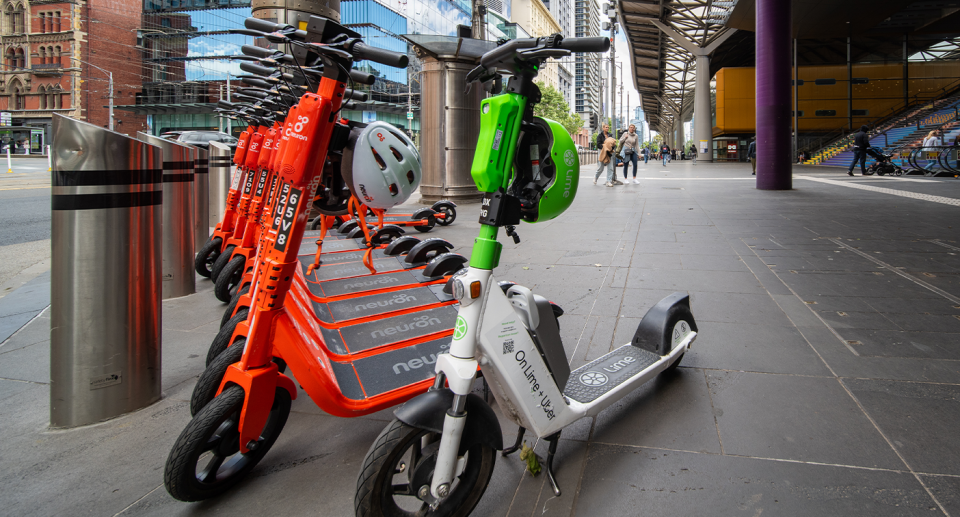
(611, 10)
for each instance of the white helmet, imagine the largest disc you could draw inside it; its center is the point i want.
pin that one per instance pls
(384, 168)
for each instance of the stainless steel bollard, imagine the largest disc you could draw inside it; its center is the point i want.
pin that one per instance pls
(179, 277)
(221, 172)
(202, 190)
(105, 274)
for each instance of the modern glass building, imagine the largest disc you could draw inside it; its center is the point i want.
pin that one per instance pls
(586, 23)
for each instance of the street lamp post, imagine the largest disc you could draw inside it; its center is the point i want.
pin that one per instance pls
(110, 97)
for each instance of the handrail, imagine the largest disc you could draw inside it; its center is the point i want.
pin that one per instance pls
(947, 90)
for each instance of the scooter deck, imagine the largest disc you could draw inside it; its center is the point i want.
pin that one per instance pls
(355, 269)
(375, 304)
(592, 380)
(354, 285)
(377, 374)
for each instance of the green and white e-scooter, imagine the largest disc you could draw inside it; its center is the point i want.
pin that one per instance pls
(437, 456)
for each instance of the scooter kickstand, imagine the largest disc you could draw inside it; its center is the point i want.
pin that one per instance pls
(553, 439)
(516, 446)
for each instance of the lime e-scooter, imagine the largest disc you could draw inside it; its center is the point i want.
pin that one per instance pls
(438, 453)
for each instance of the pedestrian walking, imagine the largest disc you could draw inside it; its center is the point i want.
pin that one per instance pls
(664, 153)
(930, 144)
(646, 155)
(630, 144)
(601, 138)
(752, 153)
(693, 153)
(861, 142)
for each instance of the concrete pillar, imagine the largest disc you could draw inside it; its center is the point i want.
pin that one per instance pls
(774, 34)
(702, 116)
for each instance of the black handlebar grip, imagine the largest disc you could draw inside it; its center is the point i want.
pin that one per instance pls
(597, 44)
(226, 105)
(355, 95)
(251, 50)
(378, 55)
(362, 77)
(263, 25)
(256, 69)
(256, 82)
(495, 56)
(254, 93)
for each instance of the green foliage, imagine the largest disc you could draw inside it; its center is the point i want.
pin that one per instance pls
(533, 461)
(554, 107)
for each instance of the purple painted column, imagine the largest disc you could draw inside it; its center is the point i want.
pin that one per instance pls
(774, 35)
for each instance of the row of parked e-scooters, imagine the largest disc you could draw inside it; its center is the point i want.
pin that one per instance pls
(366, 317)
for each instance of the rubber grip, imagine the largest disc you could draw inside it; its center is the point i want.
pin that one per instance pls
(494, 57)
(254, 93)
(362, 77)
(251, 50)
(355, 95)
(596, 44)
(226, 104)
(263, 25)
(378, 55)
(256, 69)
(256, 82)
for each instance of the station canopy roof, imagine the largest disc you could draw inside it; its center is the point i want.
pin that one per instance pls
(664, 72)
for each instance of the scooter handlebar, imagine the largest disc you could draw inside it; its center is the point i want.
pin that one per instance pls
(270, 27)
(251, 50)
(256, 69)
(598, 44)
(362, 51)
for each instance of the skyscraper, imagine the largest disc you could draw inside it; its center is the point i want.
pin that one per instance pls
(586, 23)
(561, 11)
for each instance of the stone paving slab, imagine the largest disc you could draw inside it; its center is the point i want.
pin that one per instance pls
(817, 386)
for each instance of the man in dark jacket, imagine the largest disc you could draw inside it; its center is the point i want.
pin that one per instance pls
(752, 154)
(861, 142)
(602, 137)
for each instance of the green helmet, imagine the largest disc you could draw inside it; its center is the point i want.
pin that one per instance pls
(546, 170)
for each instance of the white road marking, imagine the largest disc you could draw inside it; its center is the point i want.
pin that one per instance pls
(893, 192)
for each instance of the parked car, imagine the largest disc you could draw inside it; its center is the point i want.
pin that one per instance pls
(202, 139)
(170, 135)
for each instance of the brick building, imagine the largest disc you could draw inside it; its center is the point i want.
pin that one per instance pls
(48, 48)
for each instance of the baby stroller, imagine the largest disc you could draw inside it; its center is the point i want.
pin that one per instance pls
(884, 164)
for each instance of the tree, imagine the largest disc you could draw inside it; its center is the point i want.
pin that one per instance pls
(553, 106)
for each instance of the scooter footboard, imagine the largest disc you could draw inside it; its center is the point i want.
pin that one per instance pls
(665, 325)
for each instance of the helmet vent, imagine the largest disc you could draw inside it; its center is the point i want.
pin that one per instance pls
(410, 177)
(380, 162)
(396, 154)
(393, 189)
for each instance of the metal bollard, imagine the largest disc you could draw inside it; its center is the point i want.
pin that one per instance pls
(105, 274)
(202, 197)
(221, 167)
(179, 277)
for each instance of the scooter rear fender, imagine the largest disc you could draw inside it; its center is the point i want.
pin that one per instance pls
(655, 332)
(427, 411)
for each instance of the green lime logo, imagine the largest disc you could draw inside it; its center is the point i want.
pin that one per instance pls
(460, 329)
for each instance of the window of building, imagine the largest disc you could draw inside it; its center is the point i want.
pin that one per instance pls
(16, 20)
(53, 97)
(42, 55)
(56, 56)
(43, 97)
(56, 22)
(43, 22)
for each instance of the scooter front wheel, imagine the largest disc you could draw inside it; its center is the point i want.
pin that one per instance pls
(206, 460)
(207, 255)
(220, 263)
(229, 279)
(400, 464)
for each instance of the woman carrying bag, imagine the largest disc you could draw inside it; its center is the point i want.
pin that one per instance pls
(630, 146)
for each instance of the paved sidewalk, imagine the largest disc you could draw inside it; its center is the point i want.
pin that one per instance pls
(825, 380)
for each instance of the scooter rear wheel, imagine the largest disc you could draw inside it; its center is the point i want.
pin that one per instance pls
(206, 460)
(397, 466)
(431, 222)
(207, 255)
(449, 212)
(229, 279)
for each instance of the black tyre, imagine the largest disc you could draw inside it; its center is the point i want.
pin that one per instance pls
(209, 382)
(431, 222)
(675, 364)
(229, 280)
(449, 212)
(398, 464)
(207, 255)
(206, 459)
(223, 338)
(227, 314)
(221, 261)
